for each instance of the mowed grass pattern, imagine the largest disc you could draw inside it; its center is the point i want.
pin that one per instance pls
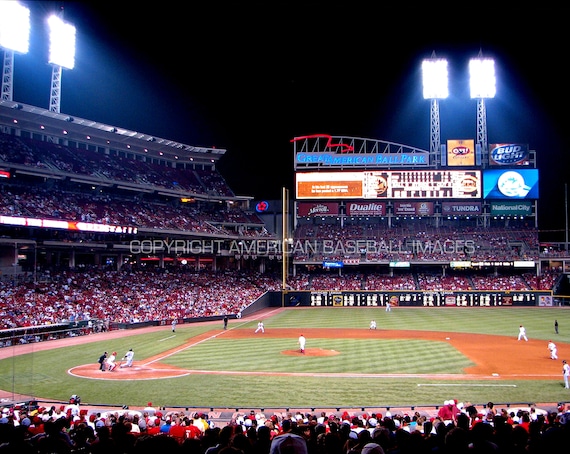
(44, 373)
(355, 356)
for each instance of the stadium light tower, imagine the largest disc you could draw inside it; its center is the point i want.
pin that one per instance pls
(14, 37)
(482, 82)
(61, 55)
(435, 87)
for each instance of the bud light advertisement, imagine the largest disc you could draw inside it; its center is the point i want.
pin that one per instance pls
(508, 154)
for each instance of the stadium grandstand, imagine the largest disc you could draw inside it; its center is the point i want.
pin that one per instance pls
(374, 221)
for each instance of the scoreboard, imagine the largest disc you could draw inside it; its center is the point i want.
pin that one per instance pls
(339, 168)
(428, 298)
(400, 184)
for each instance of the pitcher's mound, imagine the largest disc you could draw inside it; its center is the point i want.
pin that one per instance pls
(311, 352)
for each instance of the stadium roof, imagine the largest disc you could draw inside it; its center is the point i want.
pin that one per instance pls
(46, 122)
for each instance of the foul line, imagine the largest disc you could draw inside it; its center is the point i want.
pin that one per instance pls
(463, 385)
(186, 347)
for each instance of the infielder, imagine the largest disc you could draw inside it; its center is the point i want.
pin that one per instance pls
(260, 327)
(522, 333)
(553, 350)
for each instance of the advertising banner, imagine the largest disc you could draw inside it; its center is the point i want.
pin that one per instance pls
(507, 208)
(364, 208)
(461, 208)
(307, 209)
(330, 185)
(510, 184)
(508, 154)
(413, 208)
(461, 152)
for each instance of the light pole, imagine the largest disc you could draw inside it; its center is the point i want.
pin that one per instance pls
(14, 37)
(482, 82)
(61, 55)
(435, 87)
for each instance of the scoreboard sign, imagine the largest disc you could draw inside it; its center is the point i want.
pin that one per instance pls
(401, 184)
(426, 299)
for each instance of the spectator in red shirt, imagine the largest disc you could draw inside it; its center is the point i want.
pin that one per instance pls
(178, 429)
(445, 413)
(153, 426)
(192, 431)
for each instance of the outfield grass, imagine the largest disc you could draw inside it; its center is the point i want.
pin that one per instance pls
(44, 373)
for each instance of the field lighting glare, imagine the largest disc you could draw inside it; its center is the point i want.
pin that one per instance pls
(14, 27)
(434, 80)
(62, 43)
(482, 79)
(435, 75)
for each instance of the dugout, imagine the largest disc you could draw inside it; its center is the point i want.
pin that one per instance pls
(30, 334)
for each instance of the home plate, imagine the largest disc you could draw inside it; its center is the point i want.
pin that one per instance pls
(447, 338)
(495, 374)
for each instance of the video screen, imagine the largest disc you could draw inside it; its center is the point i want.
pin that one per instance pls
(510, 184)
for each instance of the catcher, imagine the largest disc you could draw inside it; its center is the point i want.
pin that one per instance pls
(111, 364)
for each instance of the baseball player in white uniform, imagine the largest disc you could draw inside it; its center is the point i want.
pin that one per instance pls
(129, 356)
(111, 364)
(260, 327)
(302, 342)
(553, 350)
(522, 333)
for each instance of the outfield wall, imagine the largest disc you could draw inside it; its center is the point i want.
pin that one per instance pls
(415, 298)
(409, 298)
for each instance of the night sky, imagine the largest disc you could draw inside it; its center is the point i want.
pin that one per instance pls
(250, 76)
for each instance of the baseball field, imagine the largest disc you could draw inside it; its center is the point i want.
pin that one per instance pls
(416, 357)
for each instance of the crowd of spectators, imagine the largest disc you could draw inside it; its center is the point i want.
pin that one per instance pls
(416, 241)
(456, 428)
(110, 167)
(136, 296)
(424, 281)
(133, 211)
(128, 297)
